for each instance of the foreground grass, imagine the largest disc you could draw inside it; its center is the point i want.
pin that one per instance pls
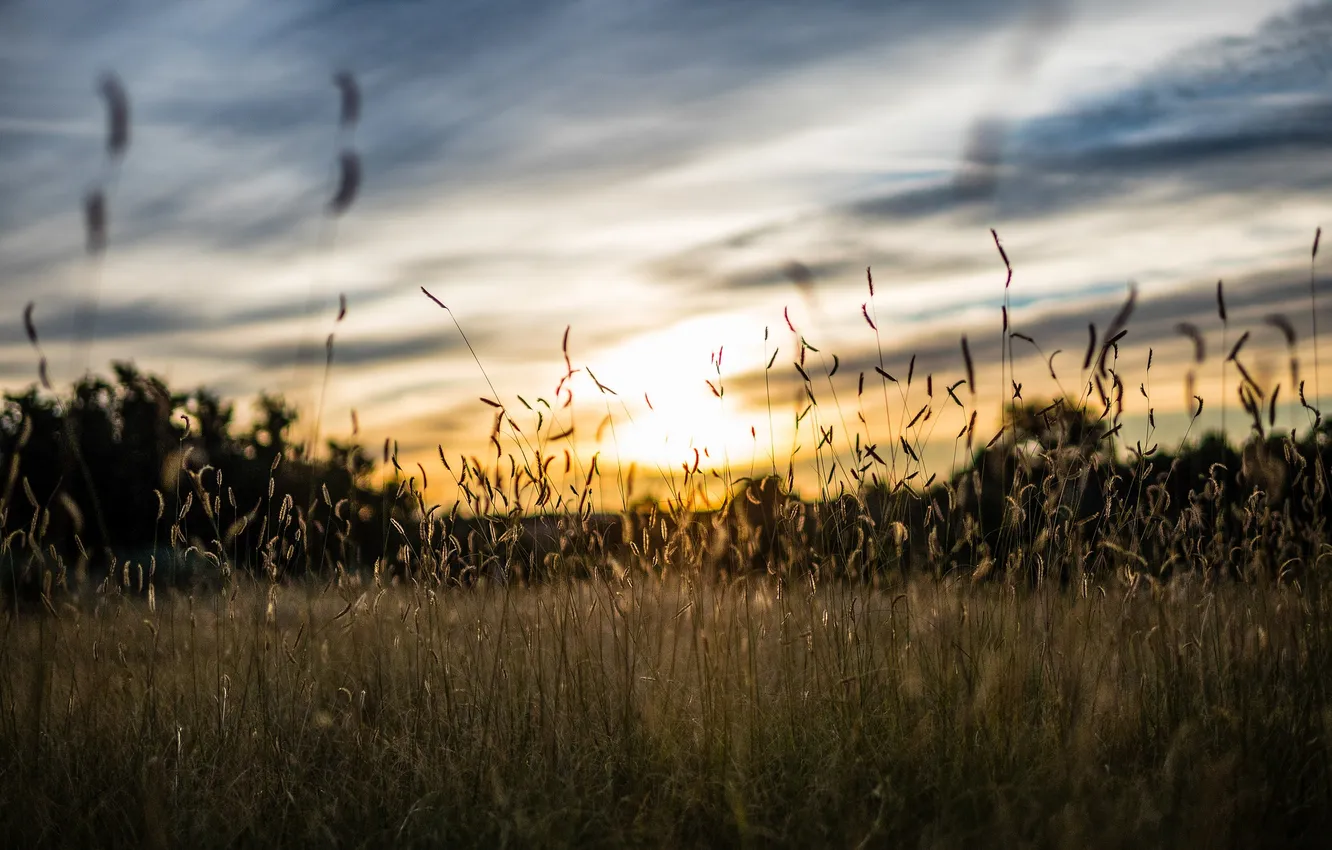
(671, 713)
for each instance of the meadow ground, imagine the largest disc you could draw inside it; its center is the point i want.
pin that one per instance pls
(650, 711)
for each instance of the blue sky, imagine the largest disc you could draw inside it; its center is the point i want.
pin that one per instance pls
(645, 171)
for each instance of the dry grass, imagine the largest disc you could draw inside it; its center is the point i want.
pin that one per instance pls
(671, 713)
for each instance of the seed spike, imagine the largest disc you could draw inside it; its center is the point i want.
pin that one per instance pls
(1003, 255)
(1091, 345)
(117, 114)
(29, 325)
(971, 369)
(349, 183)
(350, 99)
(94, 219)
(1199, 344)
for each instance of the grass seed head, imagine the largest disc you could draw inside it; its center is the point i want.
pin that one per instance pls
(94, 220)
(349, 183)
(117, 114)
(350, 99)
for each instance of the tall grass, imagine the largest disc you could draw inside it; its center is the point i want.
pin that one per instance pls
(671, 712)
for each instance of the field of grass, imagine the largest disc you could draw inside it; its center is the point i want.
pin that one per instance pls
(671, 712)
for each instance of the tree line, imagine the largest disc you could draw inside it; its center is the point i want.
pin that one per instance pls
(125, 474)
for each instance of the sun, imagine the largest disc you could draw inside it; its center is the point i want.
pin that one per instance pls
(668, 409)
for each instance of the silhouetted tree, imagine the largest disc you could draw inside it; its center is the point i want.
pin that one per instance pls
(128, 471)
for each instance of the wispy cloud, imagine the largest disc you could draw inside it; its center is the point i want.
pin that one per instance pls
(626, 167)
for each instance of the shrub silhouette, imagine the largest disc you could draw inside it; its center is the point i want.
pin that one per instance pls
(128, 471)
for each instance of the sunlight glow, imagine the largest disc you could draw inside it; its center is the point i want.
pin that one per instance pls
(671, 368)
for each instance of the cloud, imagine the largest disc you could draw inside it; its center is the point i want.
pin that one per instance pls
(1213, 118)
(457, 95)
(64, 323)
(360, 352)
(614, 166)
(1224, 118)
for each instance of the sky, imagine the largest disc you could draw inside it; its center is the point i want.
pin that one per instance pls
(668, 180)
